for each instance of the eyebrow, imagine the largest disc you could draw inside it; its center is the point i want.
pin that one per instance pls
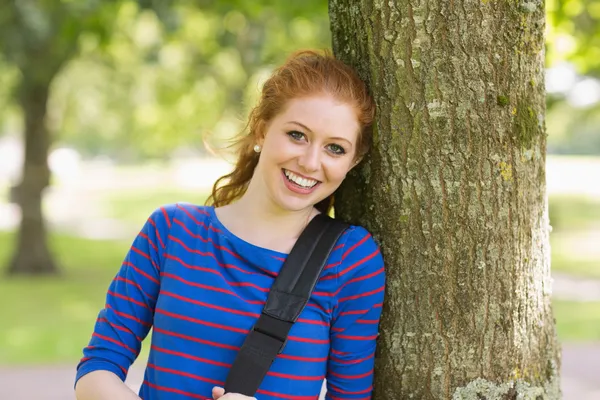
(310, 130)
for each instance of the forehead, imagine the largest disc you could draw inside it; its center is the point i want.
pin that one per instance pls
(323, 115)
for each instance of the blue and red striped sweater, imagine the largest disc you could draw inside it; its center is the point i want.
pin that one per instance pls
(201, 289)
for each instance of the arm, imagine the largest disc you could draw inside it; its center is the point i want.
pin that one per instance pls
(355, 323)
(102, 385)
(127, 317)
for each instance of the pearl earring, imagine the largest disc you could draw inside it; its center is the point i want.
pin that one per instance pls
(257, 148)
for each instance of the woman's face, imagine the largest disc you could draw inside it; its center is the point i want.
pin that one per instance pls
(307, 151)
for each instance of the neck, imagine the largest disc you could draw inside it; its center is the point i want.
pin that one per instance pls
(257, 219)
(263, 216)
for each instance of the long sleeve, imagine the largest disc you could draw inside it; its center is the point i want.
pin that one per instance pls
(355, 325)
(130, 301)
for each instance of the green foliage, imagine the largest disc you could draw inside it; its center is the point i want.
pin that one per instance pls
(39, 37)
(146, 77)
(573, 34)
(149, 76)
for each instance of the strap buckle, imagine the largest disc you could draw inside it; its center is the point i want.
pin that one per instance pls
(271, 337)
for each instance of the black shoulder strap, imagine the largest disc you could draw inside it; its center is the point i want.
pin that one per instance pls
(287, 298)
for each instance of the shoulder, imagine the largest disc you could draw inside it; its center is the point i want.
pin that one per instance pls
(360, 253)
(357, 240)
(180, 213)
(361, 271)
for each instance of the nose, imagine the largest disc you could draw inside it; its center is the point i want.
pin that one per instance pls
(310, 159)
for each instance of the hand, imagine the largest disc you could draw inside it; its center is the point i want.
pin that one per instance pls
(219, 393)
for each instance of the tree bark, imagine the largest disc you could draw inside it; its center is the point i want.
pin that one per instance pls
(454, 192)
(32, 255)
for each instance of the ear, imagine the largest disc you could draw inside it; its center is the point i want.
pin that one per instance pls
(261, 131)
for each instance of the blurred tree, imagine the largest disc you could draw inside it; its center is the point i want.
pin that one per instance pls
(8, 77)
(573, 36)
(126, 83)
(39, 38)
(454, 189)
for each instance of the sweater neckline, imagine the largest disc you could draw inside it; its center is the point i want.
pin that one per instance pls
(238, 241)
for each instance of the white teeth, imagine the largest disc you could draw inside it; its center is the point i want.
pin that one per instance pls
(307, 183)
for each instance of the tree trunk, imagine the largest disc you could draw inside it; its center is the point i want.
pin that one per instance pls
(454, 192)
(32, 255)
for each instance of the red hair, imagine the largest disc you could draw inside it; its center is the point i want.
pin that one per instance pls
(305, 73)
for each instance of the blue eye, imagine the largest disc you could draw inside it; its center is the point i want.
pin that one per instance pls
(296, 135)
(337, 149)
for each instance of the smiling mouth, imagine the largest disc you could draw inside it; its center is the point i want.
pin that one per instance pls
(304, 183)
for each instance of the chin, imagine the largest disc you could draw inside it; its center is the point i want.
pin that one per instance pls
(296, 204)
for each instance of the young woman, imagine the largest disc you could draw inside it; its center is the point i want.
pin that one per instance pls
(200, 275)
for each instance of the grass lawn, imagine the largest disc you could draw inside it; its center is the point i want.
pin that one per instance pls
(135, 206)
(47, 320)
(575, 236)
(577, 321)
(50, 319)
(569, 263)
(573, 212)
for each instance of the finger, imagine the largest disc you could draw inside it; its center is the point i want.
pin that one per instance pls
(217, 392)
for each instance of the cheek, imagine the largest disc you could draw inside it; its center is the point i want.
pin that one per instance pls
(336, 172)
(273, 149)
(279, 147)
